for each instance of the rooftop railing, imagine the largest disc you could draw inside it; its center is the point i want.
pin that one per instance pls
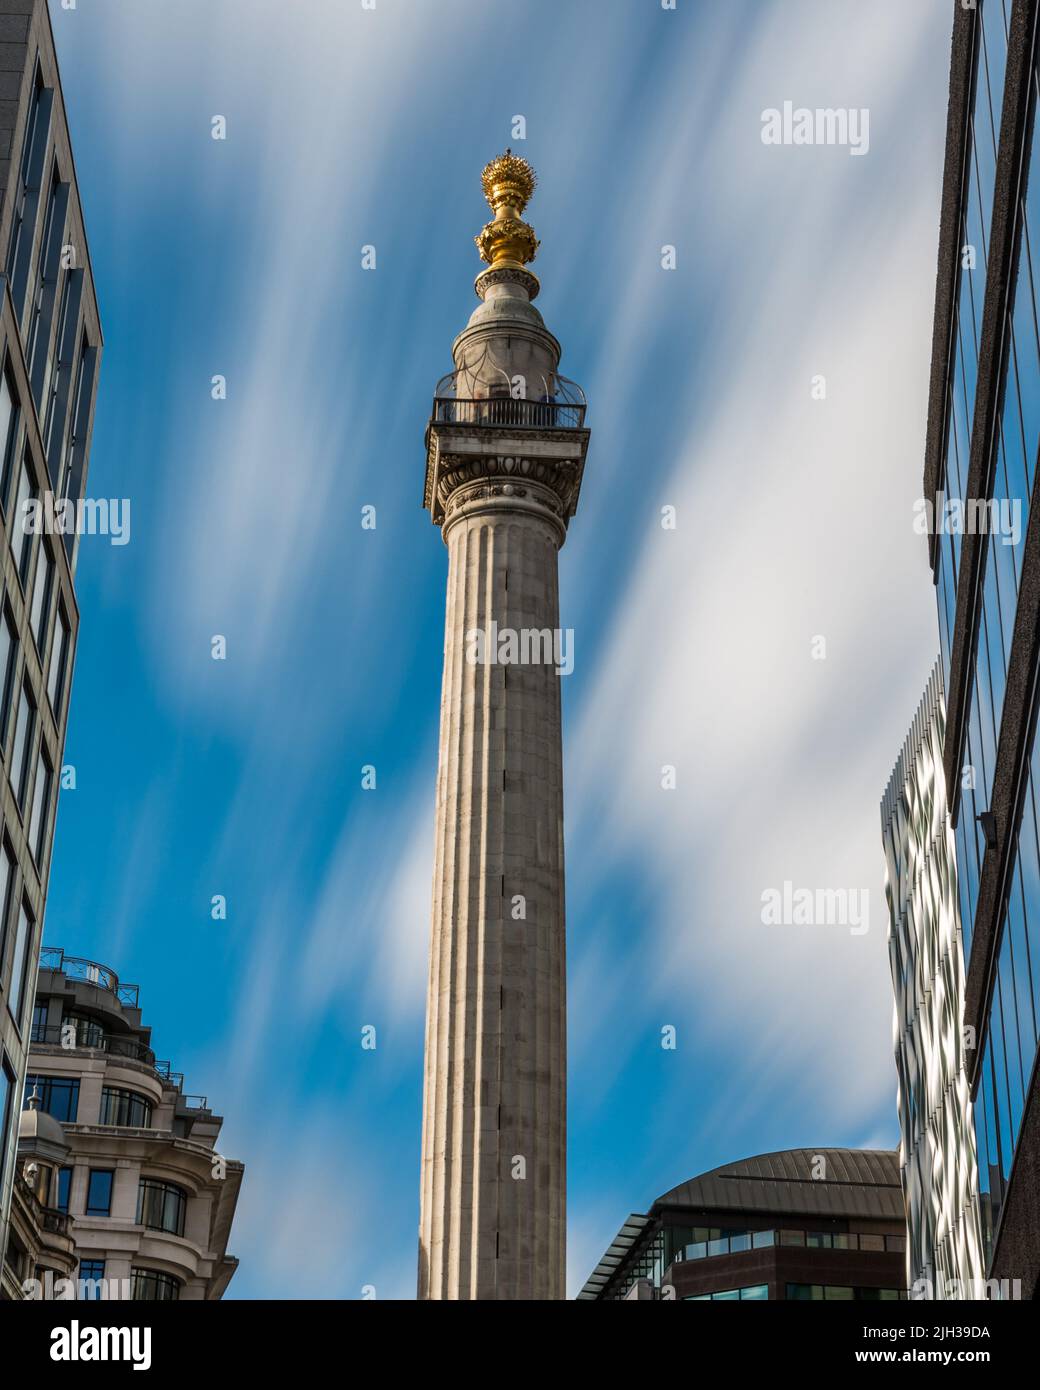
(91, 972)
(91, 1034)
(175, 1078)
(504, 410)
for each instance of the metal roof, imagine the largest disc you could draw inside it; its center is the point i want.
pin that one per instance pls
(858, 1182)
(615, 1254)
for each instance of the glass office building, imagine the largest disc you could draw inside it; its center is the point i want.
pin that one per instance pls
(984, 544)
(813, 1225)
(937, 1152)
(50, 346)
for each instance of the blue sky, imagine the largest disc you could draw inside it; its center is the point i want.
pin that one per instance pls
(242, 257)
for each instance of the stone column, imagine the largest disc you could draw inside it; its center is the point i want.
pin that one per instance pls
(503, 474)
(494, 1141)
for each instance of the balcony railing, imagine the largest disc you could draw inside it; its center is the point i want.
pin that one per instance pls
(91, 972)
(175, 1078)
(47, 1218)
(116, 1046)
(809, 1240)
(504, 410)
(57, 1222)
(112, 1043)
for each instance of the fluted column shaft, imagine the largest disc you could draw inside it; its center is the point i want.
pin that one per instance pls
(492, 1222)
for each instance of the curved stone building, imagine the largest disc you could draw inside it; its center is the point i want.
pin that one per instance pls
(148, 1198)
(39, 1246)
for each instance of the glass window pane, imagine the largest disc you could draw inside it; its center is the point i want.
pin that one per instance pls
(58, 660)
(20, 963)
(99, 1192)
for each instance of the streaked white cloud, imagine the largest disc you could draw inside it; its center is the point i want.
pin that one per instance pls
(794, 520)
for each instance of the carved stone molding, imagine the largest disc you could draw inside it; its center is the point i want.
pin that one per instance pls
(526, 279)
(537, 502)
(557, 481)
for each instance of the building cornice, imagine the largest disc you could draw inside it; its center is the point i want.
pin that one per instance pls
(531, 469)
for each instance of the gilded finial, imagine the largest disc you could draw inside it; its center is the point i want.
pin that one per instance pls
(507, 241)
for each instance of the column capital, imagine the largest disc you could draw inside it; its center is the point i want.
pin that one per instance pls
(499, 467)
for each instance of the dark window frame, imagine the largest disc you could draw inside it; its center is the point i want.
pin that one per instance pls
(8, 446)
(125, 1102)
(104, 1207)
(29, 184)
(68, 1086)
(7, 677)
(145, 1286)
(63, 1189)
(58, 659)
(16, 1006)
(155, 1199)
(19, 776)
(91, 1272)
(22, 541)
(40, 810)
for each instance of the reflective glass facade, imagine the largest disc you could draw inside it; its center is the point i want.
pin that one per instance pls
(937, 1152)
(751, 1291)
(981, 154)
(1010, 1044)
(989, 348)
(841, 1293)
(47, 312)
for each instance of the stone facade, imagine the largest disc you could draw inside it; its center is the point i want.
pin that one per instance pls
(145, 1196)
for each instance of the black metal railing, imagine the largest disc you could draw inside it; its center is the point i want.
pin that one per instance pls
(72, 1034)
(112, 1043)
(505, 410)
(175, 1078)
(91, 972)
